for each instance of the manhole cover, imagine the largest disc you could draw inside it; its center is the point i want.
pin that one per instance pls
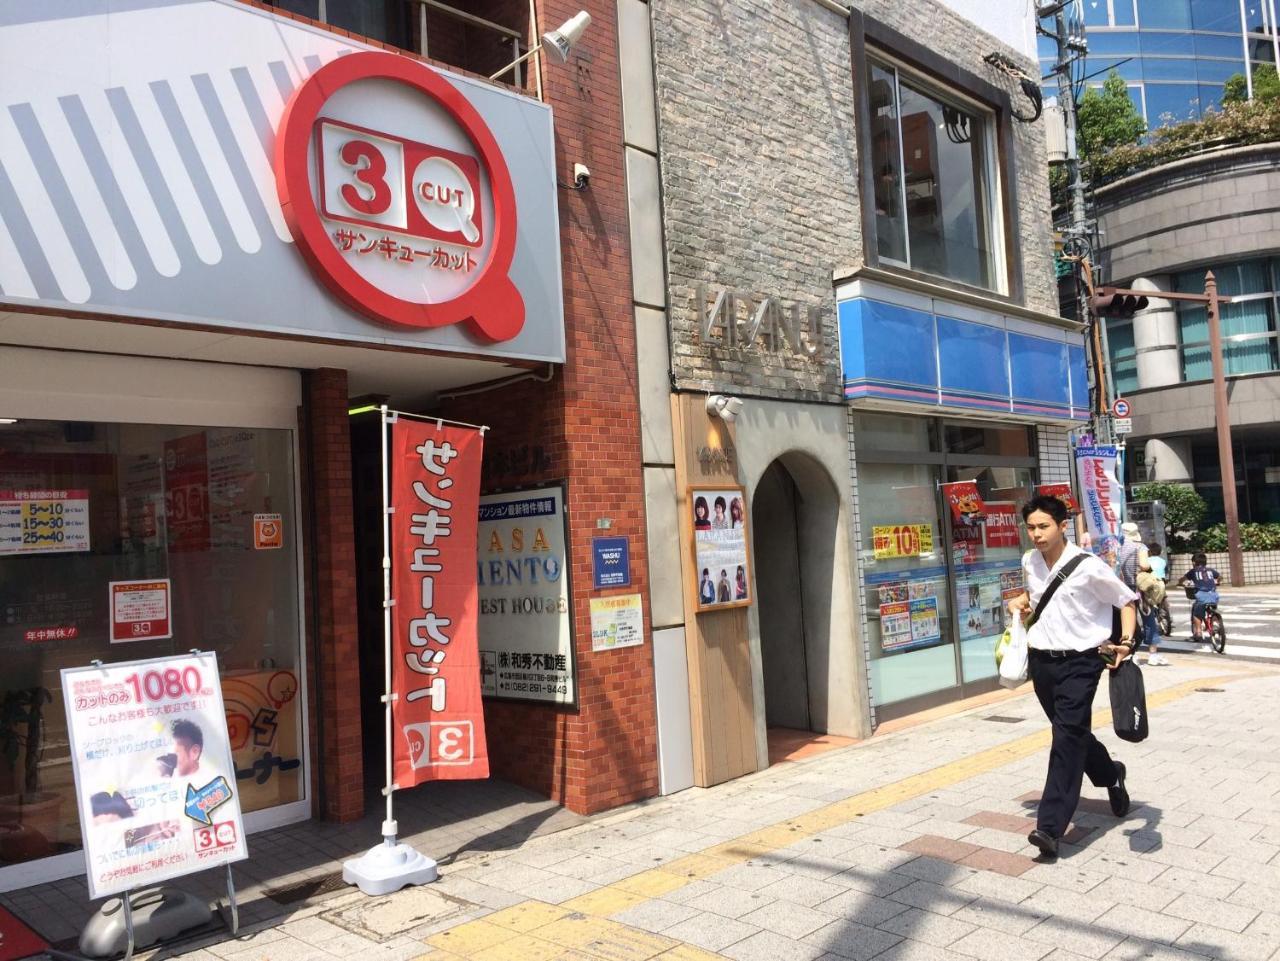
(1003, 719)
(1209, 690)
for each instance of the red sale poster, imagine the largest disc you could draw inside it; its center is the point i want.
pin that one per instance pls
(965, 502)
(186, 492)
(438, 718)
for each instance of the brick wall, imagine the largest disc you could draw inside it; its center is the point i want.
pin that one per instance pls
(332, 634)
(587, 420)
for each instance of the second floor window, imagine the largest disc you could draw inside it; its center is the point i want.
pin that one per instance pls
(934, 175)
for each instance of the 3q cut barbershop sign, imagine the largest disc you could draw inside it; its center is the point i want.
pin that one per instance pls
(155, 781)
(399, 196)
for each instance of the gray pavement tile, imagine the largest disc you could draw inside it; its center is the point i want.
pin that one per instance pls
(1135, 949)
(926, 926)
(1124, 891)
(1219, 943)
(870, 880)
(932, 897)
(952, 830)
(1255, 848)
(689, 892)
(1090, 939)
(728, 902)
(656, 915)
(1141, 923)
(1001, 915)
(790, 920)
(313, 930)
(992, 945)
(936, 870)
(1252, 872)
(999, 886)
(562, 889)
(1194, 907)
(767, 946)
(1066, 876)
(1131, 866)
(861, 907)
(1266, 925)
(892, 819)
(800, 890)
(919, 951)
(750, 876)
(713, 932)
(848, 939)
(1197, 859)
(1255, 896)
(1195, 882)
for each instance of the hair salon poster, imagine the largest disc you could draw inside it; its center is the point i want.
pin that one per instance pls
(155, 782)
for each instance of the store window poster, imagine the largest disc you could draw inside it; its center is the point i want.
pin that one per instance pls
(980, 603)
(722, 560)
(909, 616)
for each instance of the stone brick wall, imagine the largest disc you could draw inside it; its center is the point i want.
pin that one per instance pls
(1260, 567)
(756, 106)
(755, 112)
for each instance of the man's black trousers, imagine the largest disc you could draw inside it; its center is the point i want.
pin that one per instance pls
(1065, 687)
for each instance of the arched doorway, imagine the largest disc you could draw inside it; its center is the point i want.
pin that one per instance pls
(795, 511)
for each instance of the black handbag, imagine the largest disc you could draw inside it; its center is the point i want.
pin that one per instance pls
(1129, 702)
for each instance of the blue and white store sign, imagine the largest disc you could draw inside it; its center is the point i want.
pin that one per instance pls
(902, 346)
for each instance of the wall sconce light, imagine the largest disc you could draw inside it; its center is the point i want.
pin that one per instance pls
(724, 406)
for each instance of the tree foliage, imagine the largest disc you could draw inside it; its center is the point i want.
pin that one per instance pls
(1266, 86)
(1108, 119)
(1184, 508)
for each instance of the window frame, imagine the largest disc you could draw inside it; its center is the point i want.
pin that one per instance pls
(872, 41)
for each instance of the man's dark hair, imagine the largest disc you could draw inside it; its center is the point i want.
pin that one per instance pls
(189, 732)
(1052, 506)
(1198, 559)
(1155, 550)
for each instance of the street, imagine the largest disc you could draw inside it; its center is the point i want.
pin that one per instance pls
(1252, 620)
(909, 847)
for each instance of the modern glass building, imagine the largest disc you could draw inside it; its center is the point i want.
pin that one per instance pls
(1174, 55)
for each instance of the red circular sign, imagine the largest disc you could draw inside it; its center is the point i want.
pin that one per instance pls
(491, 304)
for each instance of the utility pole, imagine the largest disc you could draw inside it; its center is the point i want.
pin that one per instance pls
(1077, 233)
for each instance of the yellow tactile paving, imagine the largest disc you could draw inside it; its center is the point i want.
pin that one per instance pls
(466, 939)
(579, 929)
(523, 947)
(605, 902)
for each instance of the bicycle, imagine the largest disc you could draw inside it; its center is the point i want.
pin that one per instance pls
(1212, 620)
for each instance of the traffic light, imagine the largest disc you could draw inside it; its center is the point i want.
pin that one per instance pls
(1108, 302)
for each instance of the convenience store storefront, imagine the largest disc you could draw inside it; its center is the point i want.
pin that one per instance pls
(185, 314)
(944, 392)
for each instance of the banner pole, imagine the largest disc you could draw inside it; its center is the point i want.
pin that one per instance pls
(389, 826)
(391, 865)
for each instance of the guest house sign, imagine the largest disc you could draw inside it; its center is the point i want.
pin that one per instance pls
(743, 320)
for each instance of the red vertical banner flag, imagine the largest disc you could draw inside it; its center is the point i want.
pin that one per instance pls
(437, 715)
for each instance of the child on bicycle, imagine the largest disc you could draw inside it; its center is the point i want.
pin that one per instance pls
(1204, 580)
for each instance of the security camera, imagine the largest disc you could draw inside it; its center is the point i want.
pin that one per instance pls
(581, 176)
(723, 406)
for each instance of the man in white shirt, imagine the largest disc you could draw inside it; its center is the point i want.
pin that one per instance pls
(1070, 644)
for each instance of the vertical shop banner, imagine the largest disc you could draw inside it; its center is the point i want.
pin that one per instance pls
(155, 781)
(1062, 492)
(1000, 528)
(526, 622)
(438, 718)
(186, 493)
(1100, 489)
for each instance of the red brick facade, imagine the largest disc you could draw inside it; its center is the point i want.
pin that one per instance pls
(333, 638)
(586, 422)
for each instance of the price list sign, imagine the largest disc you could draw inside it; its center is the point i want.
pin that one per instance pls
(44, 521)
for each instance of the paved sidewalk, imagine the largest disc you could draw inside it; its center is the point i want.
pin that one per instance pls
(909, 847)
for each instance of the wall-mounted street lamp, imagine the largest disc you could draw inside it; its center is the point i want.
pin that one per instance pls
(557, 42)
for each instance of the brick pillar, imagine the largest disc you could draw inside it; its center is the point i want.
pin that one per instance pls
(331, 613)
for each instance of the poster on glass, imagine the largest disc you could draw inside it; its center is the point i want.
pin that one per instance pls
(721, 559)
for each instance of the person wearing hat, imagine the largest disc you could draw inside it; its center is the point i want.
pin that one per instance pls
(1131, 560)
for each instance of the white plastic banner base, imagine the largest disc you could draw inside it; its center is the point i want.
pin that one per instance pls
(387, 868)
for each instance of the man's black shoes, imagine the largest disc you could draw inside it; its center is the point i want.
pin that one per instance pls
(1048, 845)
(1117, 794)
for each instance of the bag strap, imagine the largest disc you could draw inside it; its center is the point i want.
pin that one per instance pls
(1058, 578)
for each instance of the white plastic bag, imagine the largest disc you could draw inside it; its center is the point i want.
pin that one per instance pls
(1013, 665)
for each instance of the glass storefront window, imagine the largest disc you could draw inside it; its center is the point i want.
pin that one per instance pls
(144, 502)
(934, 592)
